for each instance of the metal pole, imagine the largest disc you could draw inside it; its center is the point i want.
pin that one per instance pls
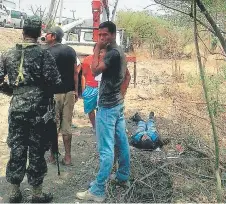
(61, 11)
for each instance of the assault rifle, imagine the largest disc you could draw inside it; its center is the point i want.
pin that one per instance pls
(51, 130)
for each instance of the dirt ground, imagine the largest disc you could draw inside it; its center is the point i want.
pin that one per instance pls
(179, 116)
(8, 37)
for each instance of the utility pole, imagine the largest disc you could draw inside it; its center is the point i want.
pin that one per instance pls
(73, 13)
(50, 13)
(61, 11)
(114, 10)
(54, 16)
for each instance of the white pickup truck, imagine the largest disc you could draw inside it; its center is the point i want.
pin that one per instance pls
(3, 16)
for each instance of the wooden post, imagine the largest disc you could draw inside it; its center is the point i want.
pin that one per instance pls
(135, 74)
(134, 60)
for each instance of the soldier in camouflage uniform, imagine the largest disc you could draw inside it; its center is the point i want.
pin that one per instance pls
(32, 74)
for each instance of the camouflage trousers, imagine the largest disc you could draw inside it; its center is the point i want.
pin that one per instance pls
(25, 139)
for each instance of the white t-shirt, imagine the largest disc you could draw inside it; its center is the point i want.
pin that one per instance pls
(78, 61)
(98, 77)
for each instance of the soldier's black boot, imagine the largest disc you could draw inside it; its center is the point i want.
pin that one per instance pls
(151, 115)
(39, 197)
(15, 194)
(136, 118)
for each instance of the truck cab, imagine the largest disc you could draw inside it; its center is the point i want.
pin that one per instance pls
(14, 19)
(3, 15)
(84, 36)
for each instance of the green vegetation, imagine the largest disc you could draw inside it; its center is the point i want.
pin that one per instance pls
(163, 39)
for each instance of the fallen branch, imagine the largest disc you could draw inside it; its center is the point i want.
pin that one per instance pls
(150, 188)
(143, 97)
(196, 150)
(146, 176)
(193, 173)
(222, 163)
(153, 172)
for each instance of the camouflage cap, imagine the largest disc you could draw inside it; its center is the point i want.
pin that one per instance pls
(33, 22)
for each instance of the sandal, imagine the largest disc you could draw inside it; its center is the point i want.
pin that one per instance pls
(63, 163)
(49, 161)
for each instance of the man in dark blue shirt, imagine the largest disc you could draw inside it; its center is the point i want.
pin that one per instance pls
(110, 121)
(67, 94)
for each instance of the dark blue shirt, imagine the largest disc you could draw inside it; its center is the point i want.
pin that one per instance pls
(112, 78)
(65, 58)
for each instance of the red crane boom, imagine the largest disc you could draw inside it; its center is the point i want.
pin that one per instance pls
(97, 9)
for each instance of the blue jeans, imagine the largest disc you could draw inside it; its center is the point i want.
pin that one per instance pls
(111, 131)
(148, 129)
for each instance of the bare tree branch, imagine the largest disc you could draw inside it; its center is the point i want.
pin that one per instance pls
(149, 6)
(43, 13)
(32, 10)
(212, 53)
(213, 24)
(188, 14)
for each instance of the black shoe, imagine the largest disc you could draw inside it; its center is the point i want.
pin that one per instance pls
(136, 118)
(114, 180)
(165, 141)
(16, 197)
(43, 198)
(151, 115)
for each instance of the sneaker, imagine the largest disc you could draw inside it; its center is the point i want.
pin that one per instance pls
(157, 149)
(43, 198)
(15, 197)
(116, 181)
(73, 126)
(136, 118)
(165, 141)
(91, 184)
(87, 196)
(151, 115)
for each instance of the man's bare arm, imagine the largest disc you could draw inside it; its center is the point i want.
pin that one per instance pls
(97, 66)
(76, 72)
(2, 69)
(83, 82)
(125, 83)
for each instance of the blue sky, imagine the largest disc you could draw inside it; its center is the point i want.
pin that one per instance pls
(83, 7)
